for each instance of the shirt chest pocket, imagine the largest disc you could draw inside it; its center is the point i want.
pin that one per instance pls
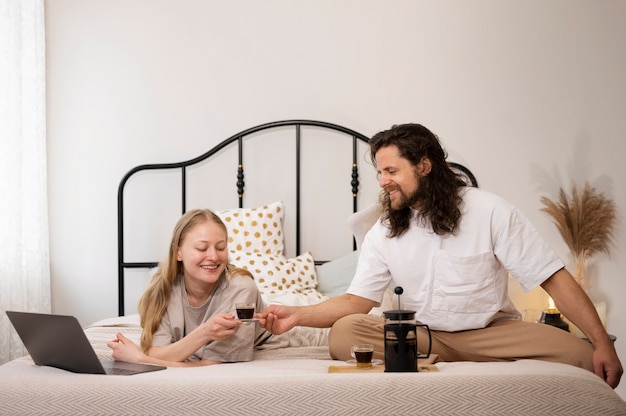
(465, 284)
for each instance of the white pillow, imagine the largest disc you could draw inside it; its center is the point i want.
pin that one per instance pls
(256, 230)
(302, 298)
(360, 222)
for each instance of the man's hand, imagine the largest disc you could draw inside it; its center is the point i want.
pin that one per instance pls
(574, 303)
(278, 319)
(606, 365)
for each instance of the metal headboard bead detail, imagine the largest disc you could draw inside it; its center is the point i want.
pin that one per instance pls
(240, 183)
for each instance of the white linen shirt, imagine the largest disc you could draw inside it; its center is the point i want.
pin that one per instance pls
(457, 282)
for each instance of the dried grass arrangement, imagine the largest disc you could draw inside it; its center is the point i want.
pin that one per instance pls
(586, 221)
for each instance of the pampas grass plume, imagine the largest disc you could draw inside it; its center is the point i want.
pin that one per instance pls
(586, 221)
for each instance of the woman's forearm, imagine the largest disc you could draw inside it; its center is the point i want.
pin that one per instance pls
(180, 350)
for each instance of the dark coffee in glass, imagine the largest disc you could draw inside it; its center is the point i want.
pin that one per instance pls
(362, 354)
(245, 311)
(401, 354)
(363, 357)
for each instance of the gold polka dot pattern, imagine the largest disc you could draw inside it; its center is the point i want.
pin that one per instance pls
(255, 230)
(277, 274)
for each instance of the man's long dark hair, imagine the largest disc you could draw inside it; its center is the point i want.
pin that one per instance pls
(438, 192)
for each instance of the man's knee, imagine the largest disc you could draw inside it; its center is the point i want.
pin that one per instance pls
(580, 354)
(355, 329)
(340, 338)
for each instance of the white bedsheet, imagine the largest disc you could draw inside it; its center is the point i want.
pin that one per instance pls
(295, 380)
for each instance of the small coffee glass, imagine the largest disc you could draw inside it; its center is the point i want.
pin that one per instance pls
(245, 310)
(531, 315)
(362, 354)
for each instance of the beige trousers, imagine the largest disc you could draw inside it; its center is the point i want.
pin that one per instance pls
(500, 341)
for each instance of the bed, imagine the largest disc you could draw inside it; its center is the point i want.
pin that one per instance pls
(299, 255)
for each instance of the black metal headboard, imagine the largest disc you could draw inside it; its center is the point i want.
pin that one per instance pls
(240, 183)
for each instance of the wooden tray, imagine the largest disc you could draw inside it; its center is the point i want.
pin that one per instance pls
(425, 368)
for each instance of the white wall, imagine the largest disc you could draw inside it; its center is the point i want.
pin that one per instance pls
(530, 95)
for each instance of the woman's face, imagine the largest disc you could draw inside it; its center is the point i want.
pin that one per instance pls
(204, 254)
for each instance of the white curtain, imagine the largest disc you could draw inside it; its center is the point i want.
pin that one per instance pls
(24, 253)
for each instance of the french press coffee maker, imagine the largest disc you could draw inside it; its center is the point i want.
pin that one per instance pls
(401, 352)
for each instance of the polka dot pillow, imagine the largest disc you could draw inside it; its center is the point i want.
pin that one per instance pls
(276, 276)
(255, 230)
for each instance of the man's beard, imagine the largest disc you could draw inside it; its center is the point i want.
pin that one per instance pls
(407, 201)
(404, 201)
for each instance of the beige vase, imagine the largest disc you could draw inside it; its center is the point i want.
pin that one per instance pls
(579, 275)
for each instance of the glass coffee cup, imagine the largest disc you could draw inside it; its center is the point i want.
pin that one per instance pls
(362, 354)
(245, 311)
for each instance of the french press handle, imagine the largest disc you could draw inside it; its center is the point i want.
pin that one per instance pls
(430, 341)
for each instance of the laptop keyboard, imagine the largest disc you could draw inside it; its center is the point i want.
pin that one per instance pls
(116, 371)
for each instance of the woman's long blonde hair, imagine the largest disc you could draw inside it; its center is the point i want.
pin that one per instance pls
(155, 299)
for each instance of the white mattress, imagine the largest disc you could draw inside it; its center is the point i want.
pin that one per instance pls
(295, 380)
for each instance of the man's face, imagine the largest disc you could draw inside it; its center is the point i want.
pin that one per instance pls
(398, 177)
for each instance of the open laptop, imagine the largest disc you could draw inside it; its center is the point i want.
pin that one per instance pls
(59, 341)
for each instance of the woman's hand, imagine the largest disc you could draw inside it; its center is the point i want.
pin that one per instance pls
(220, 326)
(125, 350)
